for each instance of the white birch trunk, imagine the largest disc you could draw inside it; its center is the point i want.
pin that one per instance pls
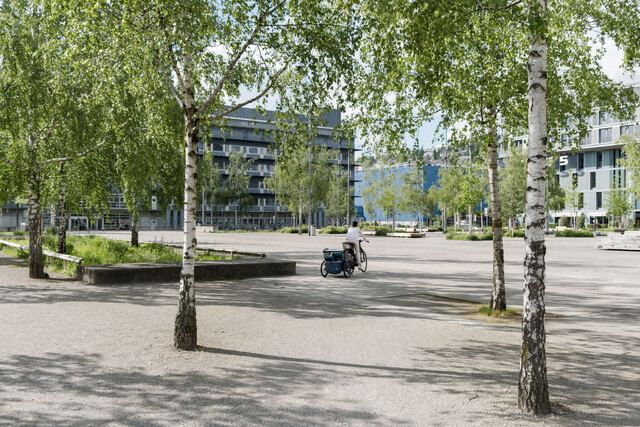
(185, 335)
(498, 294)
(36, 264)
(533, 391)
(62, 212)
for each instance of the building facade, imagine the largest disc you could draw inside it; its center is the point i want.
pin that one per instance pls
(246, 131)
(592, 169)
(430, 174)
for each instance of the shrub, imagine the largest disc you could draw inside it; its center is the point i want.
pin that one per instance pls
(333, 230)
(514, 233)
(573, 233)
(19, 233)
(472, 237)
(581, 221)
(382, 231)
(564, 221)
(294, 230)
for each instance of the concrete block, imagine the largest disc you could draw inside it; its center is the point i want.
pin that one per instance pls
(114, 274)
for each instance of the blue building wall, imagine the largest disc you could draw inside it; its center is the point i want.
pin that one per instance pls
(430, 178)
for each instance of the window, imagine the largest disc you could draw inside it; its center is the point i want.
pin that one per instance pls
(617, 154)
(598, 159)
(605, 135)
(592, 180)
(598, 199)
(253, 150)
(627, 130)
(580, 161)
(580, 200)
(587, 138)
(574, 180)
(605, 118)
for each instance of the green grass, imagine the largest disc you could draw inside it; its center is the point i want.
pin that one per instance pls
(573, 233)
(470, 237)
(97, 250)
(484, 310)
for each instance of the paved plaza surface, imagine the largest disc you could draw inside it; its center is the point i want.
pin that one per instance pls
(379, 348)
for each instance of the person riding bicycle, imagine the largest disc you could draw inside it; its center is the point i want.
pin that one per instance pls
(353, 236)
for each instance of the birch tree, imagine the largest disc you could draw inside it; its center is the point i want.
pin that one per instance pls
(44, 76)
(513, 185)
(209, 53)
(292, 180)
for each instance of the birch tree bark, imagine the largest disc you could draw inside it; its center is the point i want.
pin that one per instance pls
(135, 224)
(533, 390)
(498, 294)
(36, 263)
(62, 212)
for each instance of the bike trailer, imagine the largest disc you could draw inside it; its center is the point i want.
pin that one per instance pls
(332, 255)
(333, 267)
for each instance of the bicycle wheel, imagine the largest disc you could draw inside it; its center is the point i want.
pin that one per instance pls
(363, 261)
(347, 268)
(323, 269)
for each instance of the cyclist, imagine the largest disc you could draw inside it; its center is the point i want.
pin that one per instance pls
(353, 236)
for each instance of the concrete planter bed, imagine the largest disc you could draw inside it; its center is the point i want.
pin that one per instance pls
(115, 274)
(407, 235)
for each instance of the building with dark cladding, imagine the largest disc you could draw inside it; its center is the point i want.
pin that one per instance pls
(248, 131)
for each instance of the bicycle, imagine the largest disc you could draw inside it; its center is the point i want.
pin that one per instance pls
(343, 260)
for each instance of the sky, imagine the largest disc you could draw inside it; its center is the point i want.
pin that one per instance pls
(426, 135)
(610, 64)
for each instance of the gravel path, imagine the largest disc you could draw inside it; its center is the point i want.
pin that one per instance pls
(298, 350)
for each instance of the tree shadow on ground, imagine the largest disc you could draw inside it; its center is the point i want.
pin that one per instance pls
(274, 391)
(585, 388)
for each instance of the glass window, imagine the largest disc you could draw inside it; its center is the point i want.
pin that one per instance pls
(574, 180)
(587, 138)
(598, 159)
(580, 161)
(598, 199)
(605, 135)
(627, 130)
(605, 118)
(580, 200)
(253, 150)
(592, 180)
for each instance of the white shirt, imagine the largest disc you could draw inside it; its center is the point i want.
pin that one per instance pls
(354, 233)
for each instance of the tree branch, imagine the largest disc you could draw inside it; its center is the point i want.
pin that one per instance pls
(272, 81)
(83, 154)
(174, 61)
(494, 9)
(167, 80)
(237, 57)
(13, 162)
(77, 156)
(53, 122)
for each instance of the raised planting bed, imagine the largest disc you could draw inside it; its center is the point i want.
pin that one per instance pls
(115, 274)
(406, 235)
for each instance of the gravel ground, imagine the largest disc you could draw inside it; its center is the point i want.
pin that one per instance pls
(298, 350)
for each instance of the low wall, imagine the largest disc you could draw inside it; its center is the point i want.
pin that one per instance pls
(114, 274)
